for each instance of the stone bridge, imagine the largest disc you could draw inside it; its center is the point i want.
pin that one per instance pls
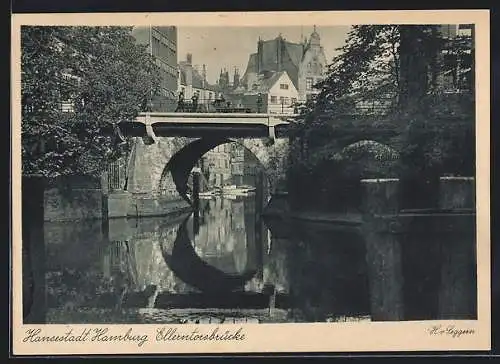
(163, 168)
(167, 146)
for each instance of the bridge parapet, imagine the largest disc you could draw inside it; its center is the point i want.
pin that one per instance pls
(151, 119)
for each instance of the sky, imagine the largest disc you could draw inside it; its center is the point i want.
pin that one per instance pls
(229, 47)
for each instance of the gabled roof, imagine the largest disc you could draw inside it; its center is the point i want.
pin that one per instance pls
(295, 52)
(265, 84)
(252, 63)
(269, 56)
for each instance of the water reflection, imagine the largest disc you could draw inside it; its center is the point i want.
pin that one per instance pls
(224, 264)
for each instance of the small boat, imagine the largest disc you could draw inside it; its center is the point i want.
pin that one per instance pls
(238, 190)
(228, 188)
(247, 188)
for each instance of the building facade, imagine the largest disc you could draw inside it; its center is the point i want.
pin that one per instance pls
(161, 43)
(272, 92)
(251, 168)
(217, 166)
(312, 68)
(192, 80)
(305, 63)
(237, 163)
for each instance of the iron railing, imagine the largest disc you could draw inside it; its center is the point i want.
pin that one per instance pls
(117, 173)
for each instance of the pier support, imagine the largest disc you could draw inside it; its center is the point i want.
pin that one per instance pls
(383, 251)
(150, 137)
(458, 291)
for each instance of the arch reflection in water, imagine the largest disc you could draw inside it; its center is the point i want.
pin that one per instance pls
(189, 267)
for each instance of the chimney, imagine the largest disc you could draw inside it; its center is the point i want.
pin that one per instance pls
(204, 72)
(260, 56)
(189, 69)
(278, 54)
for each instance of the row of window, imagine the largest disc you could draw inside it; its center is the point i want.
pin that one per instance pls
(166, 41)
(309, 83)
(166, 67)
(219, 163)
(283, 100)
(158, 49)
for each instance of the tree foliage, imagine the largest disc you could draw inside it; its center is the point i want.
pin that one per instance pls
(386, 84)
(77, 83)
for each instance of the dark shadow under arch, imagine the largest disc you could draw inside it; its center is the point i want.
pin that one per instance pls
(193, 270)
(182, 162)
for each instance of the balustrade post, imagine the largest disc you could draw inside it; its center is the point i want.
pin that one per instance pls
(383, 250)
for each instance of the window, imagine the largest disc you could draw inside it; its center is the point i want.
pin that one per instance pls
(287, 100)
(274, 99)
(294, 100)
(309, 83)
(283, 86)
(282, 99)
(155, 47)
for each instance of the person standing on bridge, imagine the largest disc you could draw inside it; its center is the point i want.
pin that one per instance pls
(195, 102)
(180, 102)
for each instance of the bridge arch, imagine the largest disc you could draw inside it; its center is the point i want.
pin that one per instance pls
(370, 155)
(271, 157)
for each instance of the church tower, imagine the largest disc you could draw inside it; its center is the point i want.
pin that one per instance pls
(315, 39)
(236, 78)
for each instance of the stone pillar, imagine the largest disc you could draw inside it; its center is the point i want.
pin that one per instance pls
(380, 196)
(457, 298)
(457, 193)
(196, 188)
(458, 291)
(33, 248)
(383, 250)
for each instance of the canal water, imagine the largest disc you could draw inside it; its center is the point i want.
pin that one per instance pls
(227, 264)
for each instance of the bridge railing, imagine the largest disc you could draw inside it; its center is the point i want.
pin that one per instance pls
(236, 105)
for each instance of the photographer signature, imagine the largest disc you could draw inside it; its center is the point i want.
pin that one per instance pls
(451, 330)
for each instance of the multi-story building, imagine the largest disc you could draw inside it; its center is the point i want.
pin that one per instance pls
(217, 166)
(193, 80)
(237, 163)
(251, 168)
(272, 92)
(305, 63)
(162, 45)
